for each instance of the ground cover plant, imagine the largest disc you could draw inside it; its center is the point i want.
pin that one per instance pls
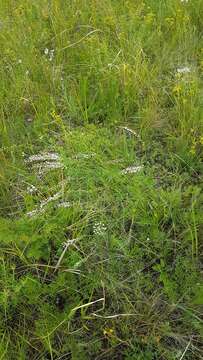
(101, 179)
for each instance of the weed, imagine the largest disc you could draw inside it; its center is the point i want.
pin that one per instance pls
(101, 188)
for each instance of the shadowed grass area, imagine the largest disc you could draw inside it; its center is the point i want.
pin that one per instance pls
(101, 180)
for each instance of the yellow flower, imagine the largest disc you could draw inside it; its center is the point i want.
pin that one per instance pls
(177, 89)
(192, 150)
(108, 332)
(56, 116)
(201, 140)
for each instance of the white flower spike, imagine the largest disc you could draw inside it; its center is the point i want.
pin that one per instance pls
(132, 169)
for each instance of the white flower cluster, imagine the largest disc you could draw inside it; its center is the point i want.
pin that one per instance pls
(44, 162)
(31, 189)
(34, 212)
(68, 242)
(51, 198)
(41, 208)
(64, 204)
(99, 228)
(132, 169)
(42, 157)
(129, 131)
(49, 53)
(183, 70)
(42, 168)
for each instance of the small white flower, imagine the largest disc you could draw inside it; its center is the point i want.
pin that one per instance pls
(31, 189)
(51, 55)
(64, 204)
(35, 212)
(184, 70)
(51, 198)
(132, 169)
(99, 228)
(42, 157)
(19, 61)
(69, 242)
(44, 167)
(129, 131)
(41, 207)
(27, 72)
(51, 165)
(44, 162)
(29, 120)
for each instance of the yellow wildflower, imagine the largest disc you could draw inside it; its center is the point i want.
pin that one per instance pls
(108, 332)
(177, 89)
(201, 140)
(192, 150)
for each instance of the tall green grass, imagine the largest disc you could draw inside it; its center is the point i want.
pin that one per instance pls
(97, 262)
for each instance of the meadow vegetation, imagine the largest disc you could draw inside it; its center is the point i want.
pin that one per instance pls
(101, 180)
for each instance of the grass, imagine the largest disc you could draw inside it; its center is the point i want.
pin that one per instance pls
(100, 262)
